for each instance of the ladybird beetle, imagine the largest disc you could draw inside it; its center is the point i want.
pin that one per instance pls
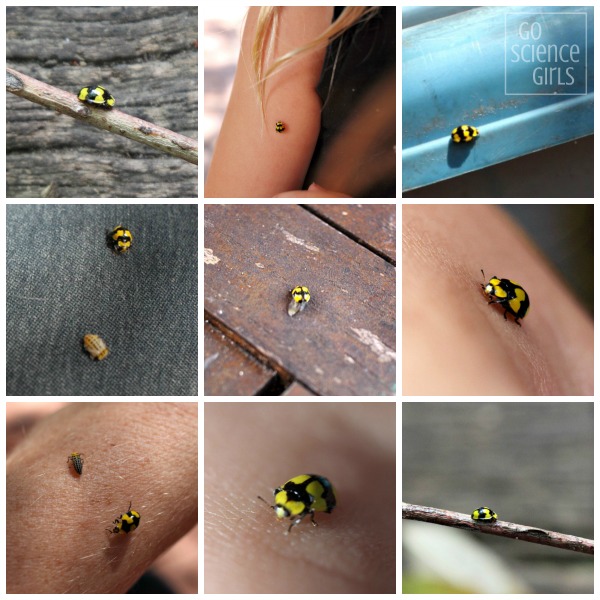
(300, 298)
(303, 495)
(77, 461)
(95, 346)
(509, 295)
(484, 515)
(120, 239)
(96, 95)
(464, 133)
(279, 127)
(127, 522)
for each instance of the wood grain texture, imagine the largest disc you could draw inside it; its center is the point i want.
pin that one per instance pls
(228, 369)
(343, 343)
(147, 58)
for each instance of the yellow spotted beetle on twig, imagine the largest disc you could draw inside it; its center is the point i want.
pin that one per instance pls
(484, 514)
(96, 95)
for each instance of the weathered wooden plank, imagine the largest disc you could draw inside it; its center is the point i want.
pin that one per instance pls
(297, 389)
(228, 369)
(343, 343)
(373, 224)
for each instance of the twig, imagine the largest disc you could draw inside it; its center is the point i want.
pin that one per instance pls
(501, 528)
(112, 120)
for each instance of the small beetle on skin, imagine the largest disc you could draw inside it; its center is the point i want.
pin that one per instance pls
(279, 126)
(509, 295)
(303, 495)
(128, 522)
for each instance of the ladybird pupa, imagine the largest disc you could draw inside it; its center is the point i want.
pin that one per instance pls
(95, 346)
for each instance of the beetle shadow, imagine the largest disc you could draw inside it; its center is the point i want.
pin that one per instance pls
(458, 153)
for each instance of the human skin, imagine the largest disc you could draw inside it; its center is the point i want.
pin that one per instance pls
(252, 160)
(56, 534)
(314, 191)
(251, 448)
(453, 342)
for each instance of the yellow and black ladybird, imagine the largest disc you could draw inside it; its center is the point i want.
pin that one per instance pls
(96, 95)
(464, 133)
(128, 522)
(303, 495)
(484, 514)
(300, 298)
(120, 239)
(509, 295)
(279, 127)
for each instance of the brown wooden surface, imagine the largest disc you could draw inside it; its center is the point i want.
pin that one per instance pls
(372, 224)
(297, 389)
(228, 369)
(343, 343)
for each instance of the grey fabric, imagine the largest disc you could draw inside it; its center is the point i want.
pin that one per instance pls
(63, 281)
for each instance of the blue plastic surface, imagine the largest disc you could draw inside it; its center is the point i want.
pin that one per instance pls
(461, 70)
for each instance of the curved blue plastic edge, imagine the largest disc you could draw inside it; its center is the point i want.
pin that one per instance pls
(454, 73)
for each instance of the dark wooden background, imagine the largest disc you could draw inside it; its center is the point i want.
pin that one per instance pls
(147, 57)
(343, 343)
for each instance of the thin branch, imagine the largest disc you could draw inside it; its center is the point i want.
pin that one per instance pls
(501, 528)
(112, 120)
